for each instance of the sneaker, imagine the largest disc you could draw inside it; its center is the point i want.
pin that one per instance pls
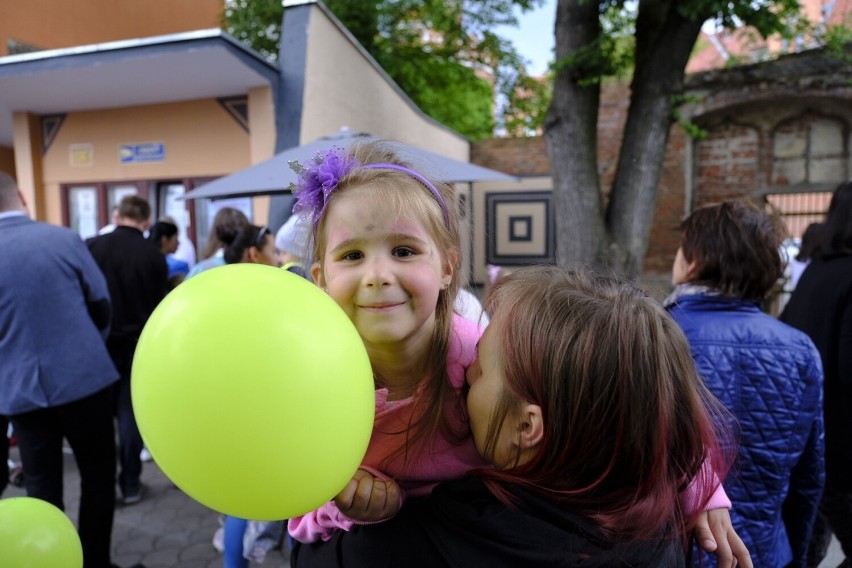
(145, 455)
(133, 498)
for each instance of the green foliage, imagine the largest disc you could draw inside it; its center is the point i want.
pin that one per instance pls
(766, 16)
(611, 53)
(690, 128)
(837, 40)
(440, 52)
(527, 105)
(256, 23)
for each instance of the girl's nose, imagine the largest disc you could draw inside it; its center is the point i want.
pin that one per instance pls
(378, 272)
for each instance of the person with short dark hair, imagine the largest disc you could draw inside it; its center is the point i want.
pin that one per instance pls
(765, 372)
(137, 277)
(821, 306)
(56, 375)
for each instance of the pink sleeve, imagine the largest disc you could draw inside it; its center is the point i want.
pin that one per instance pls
(318, 525)
(692, 497)
(323, 522)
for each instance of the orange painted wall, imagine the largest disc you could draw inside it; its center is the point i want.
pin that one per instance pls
(51, 24)
(200, 139)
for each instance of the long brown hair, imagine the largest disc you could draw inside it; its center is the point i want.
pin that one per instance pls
(627, 421)
(395, 190)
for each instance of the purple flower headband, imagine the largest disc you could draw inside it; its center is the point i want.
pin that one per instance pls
(319, 180)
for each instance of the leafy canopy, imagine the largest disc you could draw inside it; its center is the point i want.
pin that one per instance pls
(442, 53)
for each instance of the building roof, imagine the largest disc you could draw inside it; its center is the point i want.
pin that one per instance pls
(176, 67)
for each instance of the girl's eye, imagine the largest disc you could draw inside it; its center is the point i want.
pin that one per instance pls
(404, 251)
(351, 255)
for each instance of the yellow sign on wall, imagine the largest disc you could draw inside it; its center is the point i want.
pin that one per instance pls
(81, 155)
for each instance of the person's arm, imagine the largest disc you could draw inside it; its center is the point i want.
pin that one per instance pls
(370, 497)
(95, 289)
(807, 478)
(844, 353)
(161, 280)
(714, 531)
(4, 452)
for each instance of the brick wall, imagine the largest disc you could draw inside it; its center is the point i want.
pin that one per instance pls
(783, 126)
(528, 157)
(516, 156)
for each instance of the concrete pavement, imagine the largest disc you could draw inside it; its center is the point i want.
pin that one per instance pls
(167, 529)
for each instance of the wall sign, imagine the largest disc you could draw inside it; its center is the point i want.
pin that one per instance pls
(143, 153)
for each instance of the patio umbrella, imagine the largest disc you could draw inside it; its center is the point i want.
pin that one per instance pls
(275, 176)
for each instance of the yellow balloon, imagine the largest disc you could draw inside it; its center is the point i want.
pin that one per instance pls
(35, 534)
(253, 392)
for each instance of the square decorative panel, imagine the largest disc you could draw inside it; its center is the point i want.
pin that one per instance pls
(520, 228)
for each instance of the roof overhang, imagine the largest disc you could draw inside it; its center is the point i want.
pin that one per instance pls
(171, 68)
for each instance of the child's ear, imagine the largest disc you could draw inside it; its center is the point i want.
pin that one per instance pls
(531, 427)
(252, 253)
(317, 275)
(691, 271)
(449, 267)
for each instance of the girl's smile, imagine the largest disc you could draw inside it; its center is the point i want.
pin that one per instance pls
(384, 269)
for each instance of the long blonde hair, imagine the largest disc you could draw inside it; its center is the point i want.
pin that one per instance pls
(397, 190)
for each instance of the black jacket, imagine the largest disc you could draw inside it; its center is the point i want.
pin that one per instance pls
(462, 524)
(136, 275)
(821, 306)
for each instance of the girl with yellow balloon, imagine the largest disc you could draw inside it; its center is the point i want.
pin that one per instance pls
(386, 246)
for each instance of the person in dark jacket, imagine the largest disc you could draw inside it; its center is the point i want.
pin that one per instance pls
(821, 306)
(766, 373)
(586, 400)
(137, 278)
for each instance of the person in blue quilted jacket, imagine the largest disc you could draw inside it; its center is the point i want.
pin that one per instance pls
(768, 374)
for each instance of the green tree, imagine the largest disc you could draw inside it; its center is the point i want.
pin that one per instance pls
(663, 34)
(442, 53)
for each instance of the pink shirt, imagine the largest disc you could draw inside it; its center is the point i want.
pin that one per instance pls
(440, 459)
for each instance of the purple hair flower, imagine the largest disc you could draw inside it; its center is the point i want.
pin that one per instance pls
(319, 180)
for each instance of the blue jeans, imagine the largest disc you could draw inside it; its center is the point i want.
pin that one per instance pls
(235, 530)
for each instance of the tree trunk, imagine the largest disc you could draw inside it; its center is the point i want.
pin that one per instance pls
(664, 41)
(571, 134)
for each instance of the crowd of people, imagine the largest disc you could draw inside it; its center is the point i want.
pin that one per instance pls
(576, 421)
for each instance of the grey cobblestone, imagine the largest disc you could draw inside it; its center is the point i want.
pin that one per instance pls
(167, 529)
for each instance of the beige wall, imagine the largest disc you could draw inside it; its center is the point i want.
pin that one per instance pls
(28, 162)
(262, 143)
(200, 139)
(479, 270)
(51, 24)
(343, 88)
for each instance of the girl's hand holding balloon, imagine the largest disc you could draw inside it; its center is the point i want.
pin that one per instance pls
(369, 498)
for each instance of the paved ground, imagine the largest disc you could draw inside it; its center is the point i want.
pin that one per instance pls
(169, 530)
